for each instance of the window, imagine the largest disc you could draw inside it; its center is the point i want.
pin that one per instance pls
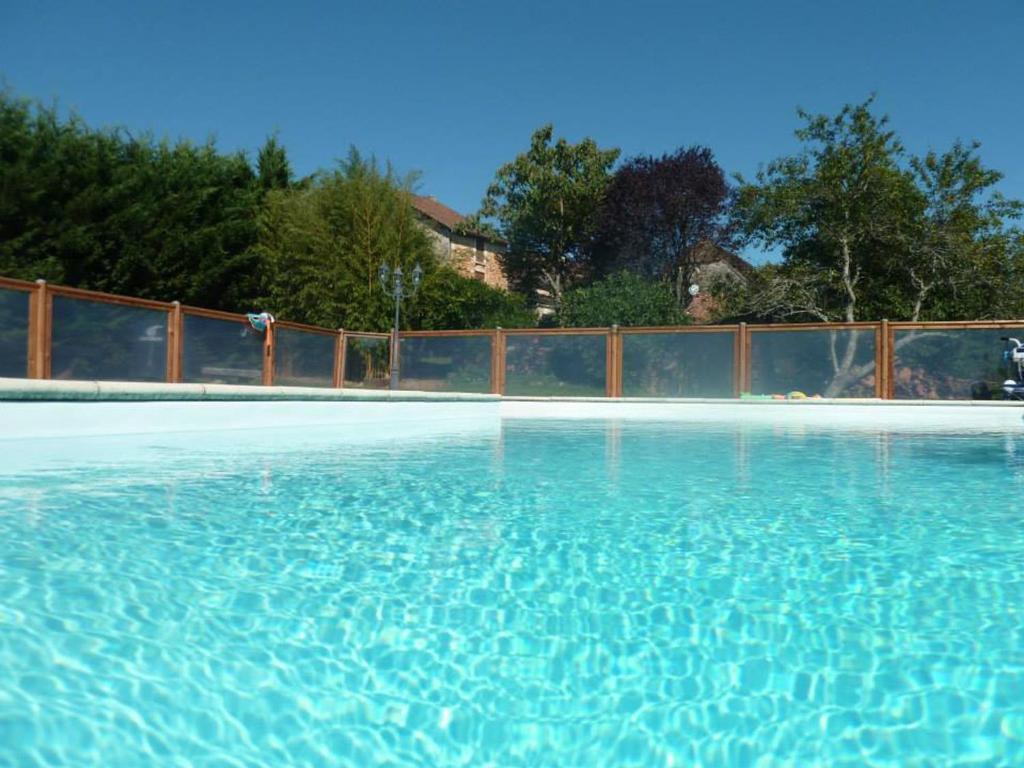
(479, 257)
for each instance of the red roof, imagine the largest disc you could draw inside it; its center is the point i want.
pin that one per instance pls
(439, 212)
(706, 252)
(445, 216)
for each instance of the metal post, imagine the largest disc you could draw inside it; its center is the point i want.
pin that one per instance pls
(398, 292)
(395, 358)
(395, 352)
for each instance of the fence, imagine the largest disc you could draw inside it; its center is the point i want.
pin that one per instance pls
(49, 331)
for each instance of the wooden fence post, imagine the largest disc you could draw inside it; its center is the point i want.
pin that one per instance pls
(268, 355)
(339, 360)
(496, 337)
(175, 343)
(614, 387)
(609, 357)
(741, 376)
(33, 351)
(620, 343)
(884, 366)
(500, 353)
(40, 331)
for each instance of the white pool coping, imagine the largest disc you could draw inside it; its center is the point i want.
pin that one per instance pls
(755, 401)
(917, 415)
(31, 409)
(53, 389)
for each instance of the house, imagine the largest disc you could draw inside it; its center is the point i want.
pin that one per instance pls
(712, 264)
(473, 254)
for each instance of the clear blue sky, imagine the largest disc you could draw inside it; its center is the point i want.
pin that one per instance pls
(455, 89)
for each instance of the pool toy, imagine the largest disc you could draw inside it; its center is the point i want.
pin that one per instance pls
(260, 321)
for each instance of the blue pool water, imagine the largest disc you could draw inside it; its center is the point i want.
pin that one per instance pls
(584, 594)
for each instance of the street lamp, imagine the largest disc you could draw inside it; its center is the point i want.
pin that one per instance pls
(393, 283)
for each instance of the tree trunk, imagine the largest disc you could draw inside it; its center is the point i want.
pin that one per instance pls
(922, 292)
(554, 284)
(843, 371)
(849, 280)
(849, 373)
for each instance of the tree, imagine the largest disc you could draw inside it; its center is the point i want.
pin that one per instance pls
(623, 298)
(656, 212)
(182, 225)
(449, 301)
(836, 208)
(868, 232)
(272, 167)
(546, 202)
(323, 244)
(112, 212)
(959, 252)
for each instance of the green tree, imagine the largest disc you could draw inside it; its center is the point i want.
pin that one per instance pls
(868, 232)
(108, 211)
(323, 245)
(449, 301)
(546, 203)
(272, 167)
(621, 299)
(836, 209)
(960, 252)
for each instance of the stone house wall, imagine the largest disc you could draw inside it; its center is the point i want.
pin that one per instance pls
(472, 257)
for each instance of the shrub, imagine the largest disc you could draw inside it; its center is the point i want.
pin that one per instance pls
(449, 301)
(621, 299)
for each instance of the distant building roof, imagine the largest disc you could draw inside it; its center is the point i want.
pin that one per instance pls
(439, 212)
(443, 215)
(707, 252)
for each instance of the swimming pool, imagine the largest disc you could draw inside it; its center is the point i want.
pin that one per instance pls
(531, 592)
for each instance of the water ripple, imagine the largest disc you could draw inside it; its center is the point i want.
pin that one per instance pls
(562, 595)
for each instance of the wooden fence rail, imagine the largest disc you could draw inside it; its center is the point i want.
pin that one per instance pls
(47, 333)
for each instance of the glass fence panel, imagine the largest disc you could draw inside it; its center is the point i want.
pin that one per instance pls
(827, 363)
(96, 340)
(216, 351)
(367, 362)
(303, 359)
(13, 333)
(555, 364)
(678, 364)
(951, 364)
(446, 363)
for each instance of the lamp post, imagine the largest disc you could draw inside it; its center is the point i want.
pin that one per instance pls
(393, 283)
